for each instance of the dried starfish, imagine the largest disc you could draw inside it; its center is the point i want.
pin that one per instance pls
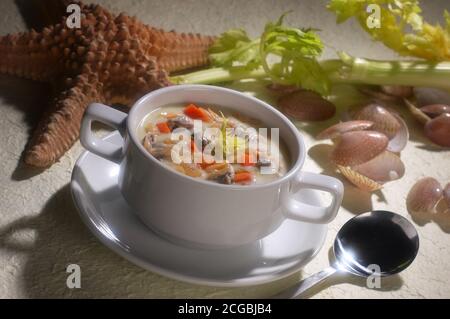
(110, 59)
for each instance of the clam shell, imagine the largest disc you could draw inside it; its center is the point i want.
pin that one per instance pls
(399, 141)
(358, 147)
(359, 180)
(447, 195)
(384, 168)
(282, 89)
(424, 195)
(375, 93)
(438, 130)
(343, 127)
(383, 120)
(397, 90)
(416, 112)
(433, 110)
(306, 106)
(427, 96)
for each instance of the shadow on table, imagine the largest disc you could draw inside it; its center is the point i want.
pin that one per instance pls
(355, 200)
(62, 239)
(440, 217)
(32, 99)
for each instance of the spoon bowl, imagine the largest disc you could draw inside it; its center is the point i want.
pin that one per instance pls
(378, 243)
(378, 238)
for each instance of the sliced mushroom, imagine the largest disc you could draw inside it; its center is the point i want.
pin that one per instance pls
(180, 121)
(158, 149)
(221, 172)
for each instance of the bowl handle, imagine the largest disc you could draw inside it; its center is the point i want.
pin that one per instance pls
(107, 115)
(297, 210)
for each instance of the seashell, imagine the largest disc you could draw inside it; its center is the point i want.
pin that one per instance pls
(375, 93)
(427, 96)
(398, 90)
(343, 127)
(307, 106)
(358, 147)
(416, 112)
(447, 195)
(399, 141)
(438, 130)
(424, 195)
(383, 120)
(359, 180)
(434, 110)
(384, 168)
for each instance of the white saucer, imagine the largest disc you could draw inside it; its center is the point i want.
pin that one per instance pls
(108, 216)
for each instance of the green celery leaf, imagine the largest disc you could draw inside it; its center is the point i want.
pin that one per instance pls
(402, 28)
(295, 53)
(235, 48)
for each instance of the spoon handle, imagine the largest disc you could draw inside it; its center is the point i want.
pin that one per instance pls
(306, 284)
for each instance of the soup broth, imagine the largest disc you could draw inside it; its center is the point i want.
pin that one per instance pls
(210, 143)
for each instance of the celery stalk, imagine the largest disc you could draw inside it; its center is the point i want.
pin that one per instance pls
(217, 75)
(347, 70)
(409, 73)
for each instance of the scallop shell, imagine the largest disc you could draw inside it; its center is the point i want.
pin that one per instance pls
(383, 120)
(424, 195)
(433, 110)
(438, 130)
(359, 180)
(343, 127)
(384, 168)
(306, 106)
(358, 147)
(399, 141)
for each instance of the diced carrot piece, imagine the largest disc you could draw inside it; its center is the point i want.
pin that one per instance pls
(196, 113)
(207, 161)
(241, 177)
(205, 115)
(205, 165)
(163, 127)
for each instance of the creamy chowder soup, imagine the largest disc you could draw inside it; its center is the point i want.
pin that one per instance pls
(209, 143)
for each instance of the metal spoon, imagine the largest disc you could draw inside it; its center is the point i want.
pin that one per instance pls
(381, 238)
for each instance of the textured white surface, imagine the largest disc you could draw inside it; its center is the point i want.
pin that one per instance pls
(41, 233)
